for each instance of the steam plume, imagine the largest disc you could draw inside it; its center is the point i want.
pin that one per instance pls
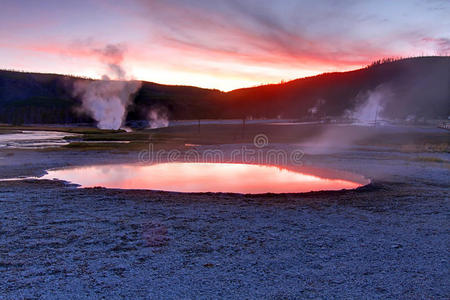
(112, 55)
(106, 101)
(158, 117)
(370, 105)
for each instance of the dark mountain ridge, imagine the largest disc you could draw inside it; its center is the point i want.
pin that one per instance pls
(417, 87)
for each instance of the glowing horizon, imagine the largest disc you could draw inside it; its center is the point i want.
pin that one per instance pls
(216, 44)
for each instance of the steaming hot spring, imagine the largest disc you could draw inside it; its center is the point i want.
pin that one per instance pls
(208, 177)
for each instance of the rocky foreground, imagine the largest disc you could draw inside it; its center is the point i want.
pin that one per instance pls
(386, 240)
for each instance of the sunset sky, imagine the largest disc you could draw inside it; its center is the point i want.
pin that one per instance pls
(223, 44)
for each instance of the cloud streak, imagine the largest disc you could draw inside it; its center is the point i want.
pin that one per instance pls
(223, 44)
(286, 32)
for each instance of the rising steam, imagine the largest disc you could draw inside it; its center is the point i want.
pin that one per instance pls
(158, 117)
(106, 100)
(112, 55)
(368, 110)
(370, 106)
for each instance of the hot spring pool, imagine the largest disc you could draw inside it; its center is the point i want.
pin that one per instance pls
(208, 177)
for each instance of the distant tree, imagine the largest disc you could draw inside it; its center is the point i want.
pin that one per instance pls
(383, 61)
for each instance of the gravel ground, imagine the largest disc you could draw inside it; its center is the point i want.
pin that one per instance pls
(386, 240)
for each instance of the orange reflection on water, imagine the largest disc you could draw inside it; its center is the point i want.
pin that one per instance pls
(200, 177)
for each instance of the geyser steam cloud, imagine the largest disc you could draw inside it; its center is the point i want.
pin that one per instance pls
(158, 117)
(370, 105)
(107, 101)
(112, 55)
(369, 108)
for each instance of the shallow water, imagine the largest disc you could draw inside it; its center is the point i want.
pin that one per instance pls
(29, 139)
(207, 177)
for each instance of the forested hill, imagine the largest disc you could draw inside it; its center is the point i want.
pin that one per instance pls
(414, 86)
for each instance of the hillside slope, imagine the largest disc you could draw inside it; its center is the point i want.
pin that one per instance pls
(417, 87)
(414, 86)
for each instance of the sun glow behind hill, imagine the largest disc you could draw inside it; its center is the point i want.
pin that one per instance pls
(221, 78)
(216, 44)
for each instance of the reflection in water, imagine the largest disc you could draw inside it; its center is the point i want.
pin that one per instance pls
(202, 177)
(29, 139)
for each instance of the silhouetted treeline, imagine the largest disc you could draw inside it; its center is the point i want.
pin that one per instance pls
(384, 61)
(415, 87)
